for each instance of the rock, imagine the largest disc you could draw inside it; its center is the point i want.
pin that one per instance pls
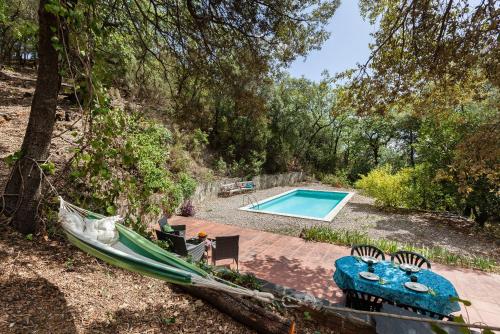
(198, 303)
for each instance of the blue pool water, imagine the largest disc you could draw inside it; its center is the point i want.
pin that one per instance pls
(303, 203)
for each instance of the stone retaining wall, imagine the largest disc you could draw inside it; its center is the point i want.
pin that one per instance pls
(208, 190)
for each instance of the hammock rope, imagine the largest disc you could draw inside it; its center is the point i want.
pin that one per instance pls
(164, 265)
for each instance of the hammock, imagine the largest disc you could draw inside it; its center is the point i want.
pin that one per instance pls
(108, 240)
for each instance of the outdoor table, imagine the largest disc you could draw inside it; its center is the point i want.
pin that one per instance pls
(391, 285)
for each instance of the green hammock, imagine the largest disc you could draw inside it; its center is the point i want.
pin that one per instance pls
(133, 252)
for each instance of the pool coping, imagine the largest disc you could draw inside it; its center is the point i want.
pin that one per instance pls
(328, 218)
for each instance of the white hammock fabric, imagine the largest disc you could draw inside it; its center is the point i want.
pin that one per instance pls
(105, 238)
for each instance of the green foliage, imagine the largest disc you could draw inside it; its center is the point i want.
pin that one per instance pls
(220, 166)
(168, 321)
(339, 179)
(18, 30)
(249, 166)
(12, 158)
(125, 164)
(328, 234)
(48, 168)
(387, 188)
(414, 188)
(248, 281)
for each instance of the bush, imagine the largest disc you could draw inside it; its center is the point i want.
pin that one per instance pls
(125, 162)
(415, 188)
(187, 209)
(250, 166)
(388, 189)
(220, 166)
(339, 179)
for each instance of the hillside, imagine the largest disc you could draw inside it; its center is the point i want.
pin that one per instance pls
(84, 295)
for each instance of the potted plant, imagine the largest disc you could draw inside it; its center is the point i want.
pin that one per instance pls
(202, 236)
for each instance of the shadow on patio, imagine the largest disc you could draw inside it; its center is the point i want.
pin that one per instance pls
(296, 274)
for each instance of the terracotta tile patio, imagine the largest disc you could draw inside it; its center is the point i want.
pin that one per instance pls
(309, 267)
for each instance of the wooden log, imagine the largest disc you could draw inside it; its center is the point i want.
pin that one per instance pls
(341, 323)
(245, 311)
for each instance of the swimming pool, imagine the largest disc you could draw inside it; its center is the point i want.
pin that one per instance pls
(303, 203)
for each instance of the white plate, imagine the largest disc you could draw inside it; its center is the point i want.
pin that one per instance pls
(369, 276)
(369, 259)
(416, 286)
(409, 267)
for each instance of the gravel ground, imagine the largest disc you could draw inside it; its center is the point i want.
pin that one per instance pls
(360, 214)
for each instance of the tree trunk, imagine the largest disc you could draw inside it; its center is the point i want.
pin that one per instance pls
(23, 190)
(245, 311)
(412, 150)
(375, 149)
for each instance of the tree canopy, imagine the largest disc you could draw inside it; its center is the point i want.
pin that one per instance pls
(423, 109)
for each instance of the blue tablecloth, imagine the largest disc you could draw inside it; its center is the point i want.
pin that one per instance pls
(438, 300)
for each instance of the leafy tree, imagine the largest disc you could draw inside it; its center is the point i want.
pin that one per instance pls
(18, 30)
(428, 50)
(202, 36)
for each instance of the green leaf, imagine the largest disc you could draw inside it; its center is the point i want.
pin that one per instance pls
(11, 159)
(111, 210)
(168, 321)
(438, 330)
(48, 168)
(463, 301)
(29, 237)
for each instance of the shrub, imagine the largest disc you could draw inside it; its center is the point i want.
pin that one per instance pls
(339, 179)
(250, 166)
(220, 166)
(418, 188)
(125, 161)
(187, 209)
(187, 184)
(388, 189)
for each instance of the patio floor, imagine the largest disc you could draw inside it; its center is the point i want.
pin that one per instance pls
(309, 267)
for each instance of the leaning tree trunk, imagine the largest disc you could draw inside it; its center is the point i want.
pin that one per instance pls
(23, 190)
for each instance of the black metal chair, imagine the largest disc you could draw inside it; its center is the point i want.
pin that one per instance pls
(177, 229)
(426, 313)
(181, 246)
(363, 301)
(410, 258)
(367, 250)
(225, 248)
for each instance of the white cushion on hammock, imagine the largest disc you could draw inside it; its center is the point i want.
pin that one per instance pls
(102, 230)
(72, 222)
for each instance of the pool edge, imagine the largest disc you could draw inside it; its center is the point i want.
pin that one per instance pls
(328, 218)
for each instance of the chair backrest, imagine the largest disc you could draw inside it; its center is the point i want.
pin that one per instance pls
(410, 258)
(367, 250)
(228, 186)
(227, 247)
(162, 221)
(179, 230)
(178, 243)
(246, 184)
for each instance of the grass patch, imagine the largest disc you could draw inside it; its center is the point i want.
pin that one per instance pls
(435, 254)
